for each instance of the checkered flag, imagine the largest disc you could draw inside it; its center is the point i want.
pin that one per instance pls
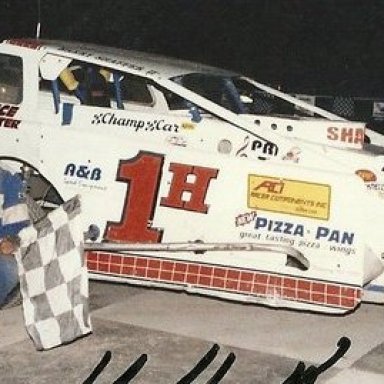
(53, 278)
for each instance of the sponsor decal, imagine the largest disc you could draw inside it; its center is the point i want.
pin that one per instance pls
(294, 229)
(294, 197)
(301, 235)
(84, 176)
(179, 141)
(293, 155)
(7, 114)
(82, 171)
(266, 148)
(188, 125)
(376, 187)
(85, 51)
(346, 135)
(371, 182)
(367, 175)
(261, 147)
(245, 218)
(110, 118)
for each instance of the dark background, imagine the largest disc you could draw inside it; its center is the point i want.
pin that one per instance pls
(309, 46)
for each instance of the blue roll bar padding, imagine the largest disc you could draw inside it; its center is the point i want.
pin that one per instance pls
(56, 95)
(116, 83)
(67, 113)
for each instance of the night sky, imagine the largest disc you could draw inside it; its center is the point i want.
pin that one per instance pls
(313, 46)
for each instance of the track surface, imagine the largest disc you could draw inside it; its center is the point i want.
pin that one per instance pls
(176, 329)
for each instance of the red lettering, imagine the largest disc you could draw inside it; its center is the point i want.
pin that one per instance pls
(197, 187)
(271, 186)
(347, 135)
(143, 174)
(332, 133)
(359, 136)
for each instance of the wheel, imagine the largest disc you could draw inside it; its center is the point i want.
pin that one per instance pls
(41, 196)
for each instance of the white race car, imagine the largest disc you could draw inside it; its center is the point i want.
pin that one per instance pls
(189, 185)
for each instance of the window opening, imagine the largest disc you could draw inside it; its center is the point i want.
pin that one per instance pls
(11, 79)
(134, 89)
(92, 85)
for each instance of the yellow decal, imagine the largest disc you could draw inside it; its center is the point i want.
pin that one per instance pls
(187, 125)
(294, 197)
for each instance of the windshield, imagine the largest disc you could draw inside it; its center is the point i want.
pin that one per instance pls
(236, 94)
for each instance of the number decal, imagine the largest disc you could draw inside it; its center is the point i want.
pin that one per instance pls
(198, 188)
(143, 175)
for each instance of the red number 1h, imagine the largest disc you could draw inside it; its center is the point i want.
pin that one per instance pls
(143, 176)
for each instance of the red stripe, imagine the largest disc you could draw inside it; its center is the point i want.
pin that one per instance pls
(234, 280)
(27, 43)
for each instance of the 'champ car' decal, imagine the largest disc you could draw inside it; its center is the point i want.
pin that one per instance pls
(111, 118)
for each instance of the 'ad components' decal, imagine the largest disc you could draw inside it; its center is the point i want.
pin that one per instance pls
(299, 198)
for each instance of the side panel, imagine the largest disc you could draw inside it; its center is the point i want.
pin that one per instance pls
(141, 193)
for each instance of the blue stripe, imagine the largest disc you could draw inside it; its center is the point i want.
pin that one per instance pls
(67, 113)
(11, 187)
(12, 229)
(374, 288)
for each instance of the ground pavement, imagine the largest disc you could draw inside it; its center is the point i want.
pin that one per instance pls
(176, 329)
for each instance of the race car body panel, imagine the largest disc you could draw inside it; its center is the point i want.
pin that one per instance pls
(186, 193)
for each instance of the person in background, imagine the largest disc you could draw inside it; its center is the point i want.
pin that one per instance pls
(13, 217)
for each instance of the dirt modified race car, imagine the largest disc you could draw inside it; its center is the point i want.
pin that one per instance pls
(186, 184)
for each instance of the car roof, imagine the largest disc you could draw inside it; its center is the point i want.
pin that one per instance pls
(163, 66)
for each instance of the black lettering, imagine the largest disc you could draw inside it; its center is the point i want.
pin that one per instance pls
(278, 226)
(288, 228)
